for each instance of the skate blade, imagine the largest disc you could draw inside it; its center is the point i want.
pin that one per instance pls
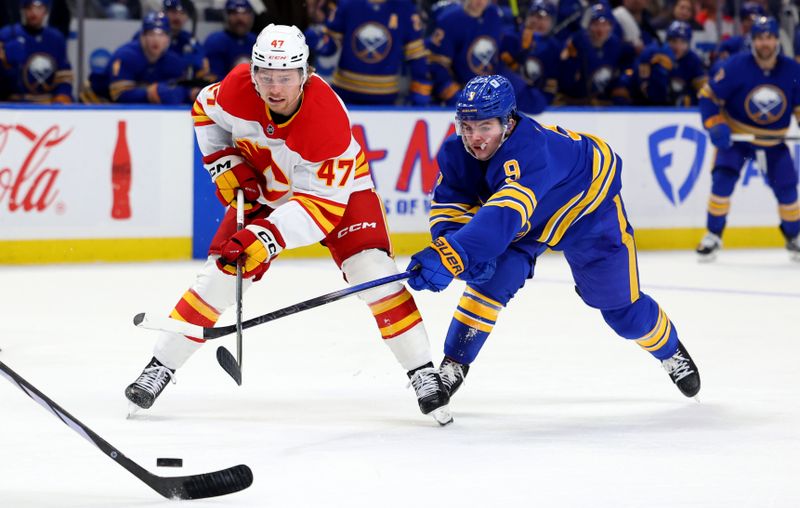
(708, 258)
(132, 410)
(442, 415)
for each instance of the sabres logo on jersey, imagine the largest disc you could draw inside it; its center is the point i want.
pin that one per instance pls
(481, 54)
(38, 73)
(601, 78)
(765, 104)
(677, 84)
(371, 42)
(533, 69)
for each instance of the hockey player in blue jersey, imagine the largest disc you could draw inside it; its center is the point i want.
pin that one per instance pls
(754, 94)
(229, 47)
(508, 190)
(33, 58)
(465, 43)
(183, 43)
(376, 39)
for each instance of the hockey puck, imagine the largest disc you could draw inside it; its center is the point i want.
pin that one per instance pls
(168, 462)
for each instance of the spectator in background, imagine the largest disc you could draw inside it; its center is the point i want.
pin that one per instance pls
(375, 40)
(682, 10)
(183, 43)
(464, 44)
(748, 13)
(592, 62)
(533, 58)
(229, 47)
(633, 24)
(668, 74)
(707, 18)
(144, 70)
(33, 58)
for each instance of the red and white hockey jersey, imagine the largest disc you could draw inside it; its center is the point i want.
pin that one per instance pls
(311, 163)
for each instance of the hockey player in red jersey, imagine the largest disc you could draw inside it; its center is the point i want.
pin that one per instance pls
(305, 180)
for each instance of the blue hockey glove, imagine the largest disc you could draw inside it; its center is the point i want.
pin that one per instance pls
(720, 135)
(436, 266)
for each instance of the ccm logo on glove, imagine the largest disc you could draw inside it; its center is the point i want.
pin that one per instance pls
(450, 258)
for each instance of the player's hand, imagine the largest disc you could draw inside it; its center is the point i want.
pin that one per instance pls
(239, 176)
(256, 245)
(434, 267)
(720, 135)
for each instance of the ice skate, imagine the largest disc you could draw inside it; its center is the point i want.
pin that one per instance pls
(143, 392)
(709, 248)
(793, 246)
(431, 393)
(453, 374)
(683, 371)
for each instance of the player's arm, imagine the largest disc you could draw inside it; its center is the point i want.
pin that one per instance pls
(416, 54)
(440, 61)
(711, 100)
(452, 205)
(62, 92)
(221, 157)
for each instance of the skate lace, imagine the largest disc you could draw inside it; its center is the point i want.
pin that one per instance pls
(424, 382)
(451, 372)
(677, 367)
(153, 379)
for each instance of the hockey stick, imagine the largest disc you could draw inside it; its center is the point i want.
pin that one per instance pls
(224, 357)
(753, 137)
(143, 320)
(218, 483)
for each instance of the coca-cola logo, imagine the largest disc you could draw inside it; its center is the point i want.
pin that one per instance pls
(26, 182)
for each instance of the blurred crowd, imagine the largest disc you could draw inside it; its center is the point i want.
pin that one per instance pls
(384, 52)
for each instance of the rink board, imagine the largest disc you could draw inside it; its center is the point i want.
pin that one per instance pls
(56, 190)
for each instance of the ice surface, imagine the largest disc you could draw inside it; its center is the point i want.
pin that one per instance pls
(557, 411)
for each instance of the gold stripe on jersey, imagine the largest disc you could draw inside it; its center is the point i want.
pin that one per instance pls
(604, 168)
(707, 93)
(738, 127)
(659, 335)
(366, 83)
(630, 245)
(415, 49)
(362, 167)
(477, 311)
(790, 212)
(517, 197)
(451, 212)
(718, 205)
(64, 76)
(483, 298)
(199, 116)
(326, 214)
(117, 88)
(442, 60)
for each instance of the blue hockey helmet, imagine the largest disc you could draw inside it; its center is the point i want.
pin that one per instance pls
(542, 8)
(174, 5)
(764, 24)
(679, 30)
(28, 3)
(751, 9)
(155, 21)
(238, 5)
(486, 97)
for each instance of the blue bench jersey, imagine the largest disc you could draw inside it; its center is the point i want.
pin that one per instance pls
(225, 51)
(34, 64)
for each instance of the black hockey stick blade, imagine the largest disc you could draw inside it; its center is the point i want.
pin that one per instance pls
(199, 486)
(144, 320)
(229, 364)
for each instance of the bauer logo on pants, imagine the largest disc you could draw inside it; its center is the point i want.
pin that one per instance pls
(676, 155)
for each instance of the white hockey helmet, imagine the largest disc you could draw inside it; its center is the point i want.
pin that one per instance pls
(280, 47)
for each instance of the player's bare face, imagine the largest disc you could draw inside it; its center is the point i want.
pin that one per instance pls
(678, 46)
(683, 10)
(483, 137)
(475, 7)
(539, 24)
(599, 32)
(176, 20)
(765, 46)
(33, 15)
(154, 43)
(280, 88)
(240, 22)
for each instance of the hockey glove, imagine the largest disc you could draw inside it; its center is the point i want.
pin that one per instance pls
(257, 245)
(720, 136)
(231, 172)
(435, 266)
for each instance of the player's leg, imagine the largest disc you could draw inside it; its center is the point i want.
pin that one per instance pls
(361, 248)
(727, 166)
(208, 297)
(605, 268)
(477, 313)
(782, 178)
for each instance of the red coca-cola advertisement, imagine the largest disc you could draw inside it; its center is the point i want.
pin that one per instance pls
(121, 175)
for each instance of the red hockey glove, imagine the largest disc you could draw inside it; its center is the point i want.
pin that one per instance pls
(257, 245)
(229, 173)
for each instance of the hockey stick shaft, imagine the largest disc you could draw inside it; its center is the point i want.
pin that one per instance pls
(171, 325)
(233, 366)
(753, 137)
(198, 486)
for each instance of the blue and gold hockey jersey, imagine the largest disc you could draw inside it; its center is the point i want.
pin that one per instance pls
(751, 100)
(534, 191)
(590, 74)
(34, 64)
(225, 50)
(376, 37)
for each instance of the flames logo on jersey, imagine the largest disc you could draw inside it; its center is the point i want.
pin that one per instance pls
(601, 78)
(38, 73)
(765, 104)
(260, 157)
(371, 42)
(481, 55)
(533, 69)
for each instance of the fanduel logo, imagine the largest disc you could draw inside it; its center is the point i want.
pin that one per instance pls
(662, 161)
